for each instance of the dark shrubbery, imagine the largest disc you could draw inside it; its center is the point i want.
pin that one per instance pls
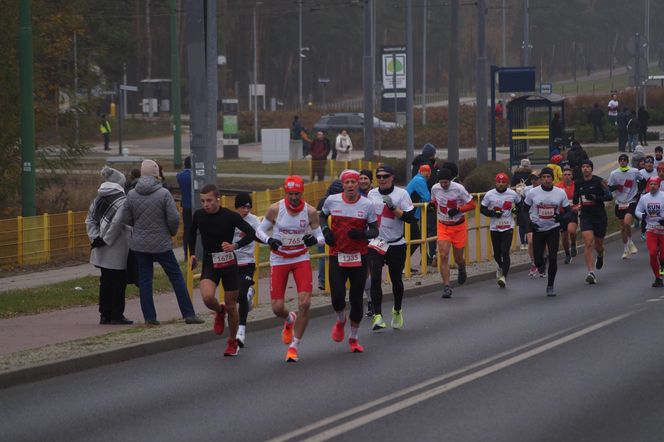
(483, 177)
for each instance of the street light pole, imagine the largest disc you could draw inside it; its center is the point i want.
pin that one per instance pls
(368, 81)
(526, 36)
(481, 82)
(410, 134)
(28, 205)
(299, 57)
(504, 38)
(424, 63)
(255, 96)
(647, 52)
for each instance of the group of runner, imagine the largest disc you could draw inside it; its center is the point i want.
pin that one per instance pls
(364, 229)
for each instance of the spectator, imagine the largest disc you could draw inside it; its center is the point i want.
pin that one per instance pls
(633, 130)
(184, 182)
(418, 190)
(296, 128)
(643, 116)
(499, 110)
(522, 173)
(556, 127)
(596, 118)
(659, 155)
(319, 150)
(621, 123)
(306, 141)
(575, 157)
(557, 170)
(134, 175)
(151, 211)
(109, 238)
(343, 146)
(612, 112)
(105, 130)
(428, 156)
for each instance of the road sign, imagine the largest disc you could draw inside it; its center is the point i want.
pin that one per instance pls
(126, 87)
(323, 80)
(546, 88)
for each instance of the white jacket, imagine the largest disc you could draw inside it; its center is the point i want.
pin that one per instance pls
(343, 144)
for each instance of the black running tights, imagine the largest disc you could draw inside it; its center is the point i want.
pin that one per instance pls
(357, 277)
(502, 242)
(395, 258)
(547, 240)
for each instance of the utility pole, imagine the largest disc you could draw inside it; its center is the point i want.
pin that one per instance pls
(424, 63)
(481, 115)
(526, 34)
(299, 57)
(637, 68)
(75, 97)
(368, 81)
(255, 96)
(504, 37)
(453, 94)
(27, 112)
(647, 52)
(410, 92)
(175, 87)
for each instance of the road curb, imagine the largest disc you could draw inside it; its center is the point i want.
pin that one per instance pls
(48, 370)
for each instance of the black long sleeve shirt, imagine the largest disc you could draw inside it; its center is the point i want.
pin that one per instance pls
(600, 194)
(217, 228)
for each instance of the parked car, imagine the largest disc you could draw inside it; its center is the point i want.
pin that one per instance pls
(353, 122)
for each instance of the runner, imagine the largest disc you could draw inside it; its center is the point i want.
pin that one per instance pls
(366, 176)
(648, 169)
(289, 219)
(650, 210)
(246, 264)
(660, 174)
(393, 207)
(591, 192)
(452, 200)
(568, 229)
(498, 204)
(546, 205)
(524, 216)
(347, 237)
(217, 227)
(624, 182)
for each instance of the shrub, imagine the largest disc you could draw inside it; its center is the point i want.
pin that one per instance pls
(483, 177)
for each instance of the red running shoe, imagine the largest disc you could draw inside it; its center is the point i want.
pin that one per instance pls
(338, 331)
(355, 346)
(219, 321)
(291, 355)
(232, 349)
(287, 332)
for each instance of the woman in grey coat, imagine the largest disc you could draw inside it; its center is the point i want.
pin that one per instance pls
(109, 238)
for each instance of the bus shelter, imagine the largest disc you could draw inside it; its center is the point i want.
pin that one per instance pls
(529, 119)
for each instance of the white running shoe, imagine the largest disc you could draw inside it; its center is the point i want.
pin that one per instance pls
(250, 297)
(632, 248)
(240, 337)
(625, 254)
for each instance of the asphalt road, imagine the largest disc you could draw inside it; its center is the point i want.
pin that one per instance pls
(488, 364)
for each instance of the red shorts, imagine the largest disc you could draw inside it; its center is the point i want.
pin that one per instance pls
(456, 235)
(279, 278)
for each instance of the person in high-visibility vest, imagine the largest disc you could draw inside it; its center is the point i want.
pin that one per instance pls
(105, 129)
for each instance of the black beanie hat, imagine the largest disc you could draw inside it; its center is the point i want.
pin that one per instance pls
(367, 173)
(444, 174)
(242, 199)
(588, 162)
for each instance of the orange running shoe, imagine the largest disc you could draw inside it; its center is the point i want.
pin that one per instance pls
(355, 346)
(232, 349)
(219, 321)
(338, 331)
(291, 355)
(287, 332)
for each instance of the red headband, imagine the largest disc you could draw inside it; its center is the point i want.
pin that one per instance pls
(349, 174)
(655, 179)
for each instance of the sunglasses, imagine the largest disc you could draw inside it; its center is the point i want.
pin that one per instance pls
(383, 177)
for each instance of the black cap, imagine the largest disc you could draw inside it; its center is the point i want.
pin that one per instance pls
(547, 171)
(242, 200)
(588, 162)
(367, 173)
(623, 156)
(386, 168)
(444, 174)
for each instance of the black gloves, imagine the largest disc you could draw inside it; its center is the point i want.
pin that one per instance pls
(388, 202)
(357, 234)
(613, 187)
(452, 212)
(97, 242)
(590, 196)
(497, 213)
(274, 243)
(329, 237)
(309, 240)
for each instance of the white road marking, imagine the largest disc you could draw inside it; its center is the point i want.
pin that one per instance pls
(413, 400)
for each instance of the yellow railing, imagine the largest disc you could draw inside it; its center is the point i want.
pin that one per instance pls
(531, 133)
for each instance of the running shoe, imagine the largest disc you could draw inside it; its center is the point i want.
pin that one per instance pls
(355, 346)
(338, 331)
(625, 254)
(661, 268)
(377, 323)
(658, 282)
(632, 248)
(397, 319)
(643, 236)
(370, 310)
(499, 273)
(550, 291)
(533, 271)
(447, 292)
(232, 349)
(541, 272)
(524, 247)
(250, 298)
(462, 275)
(239, 337)
(573, 250)
(591, 278)
(218, 326)
(287, 332)
(291, 355)
(502, 283)
(568, 258)
(599, 262)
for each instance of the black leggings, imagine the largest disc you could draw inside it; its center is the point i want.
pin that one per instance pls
(502, 242)
(246, 276)
(547, 240)
(357, 277)
(395, 258)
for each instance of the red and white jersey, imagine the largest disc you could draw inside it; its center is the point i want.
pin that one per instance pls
(245, 255)
(289, 229)
(653, 207)
(346, 216)
(390, 228)
(627, 183)
(544, 205)
(505, 202)
(453, 198)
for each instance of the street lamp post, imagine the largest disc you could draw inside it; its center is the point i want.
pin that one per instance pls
(299, 56)
(255, 90)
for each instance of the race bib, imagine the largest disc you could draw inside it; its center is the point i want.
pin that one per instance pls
(379, 245)
(349, 259)
(623, 206)
(546, 212)
(221, 260)
(291, 240)
(504, 223)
